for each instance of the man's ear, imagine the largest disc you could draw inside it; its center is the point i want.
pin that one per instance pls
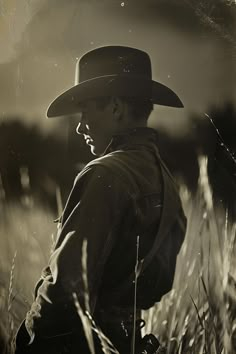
(117, 106)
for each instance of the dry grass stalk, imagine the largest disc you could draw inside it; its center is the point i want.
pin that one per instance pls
(88, 323)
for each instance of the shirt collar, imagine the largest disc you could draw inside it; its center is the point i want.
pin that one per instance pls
(132, 137)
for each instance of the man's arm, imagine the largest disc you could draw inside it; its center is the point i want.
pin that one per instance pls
(93, 218)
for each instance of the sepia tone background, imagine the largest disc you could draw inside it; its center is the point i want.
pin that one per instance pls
(192, 46)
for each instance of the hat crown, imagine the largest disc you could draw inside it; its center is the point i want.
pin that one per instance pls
(113, 71)
(113, 60)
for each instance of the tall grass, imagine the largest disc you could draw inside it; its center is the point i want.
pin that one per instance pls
(197, 316)
(25, 238)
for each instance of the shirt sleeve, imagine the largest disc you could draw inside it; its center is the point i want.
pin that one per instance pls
(92, 216)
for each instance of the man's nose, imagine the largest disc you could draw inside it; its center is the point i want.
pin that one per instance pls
(82, 128)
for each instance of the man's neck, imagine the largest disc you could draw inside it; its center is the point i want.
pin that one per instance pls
(131, 126)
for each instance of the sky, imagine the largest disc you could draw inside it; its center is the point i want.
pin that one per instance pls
(192, 46)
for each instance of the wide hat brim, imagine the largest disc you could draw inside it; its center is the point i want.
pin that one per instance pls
(112, 85)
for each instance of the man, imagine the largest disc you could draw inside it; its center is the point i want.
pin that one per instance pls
(125, 196)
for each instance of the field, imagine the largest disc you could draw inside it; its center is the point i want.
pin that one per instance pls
(197, 316)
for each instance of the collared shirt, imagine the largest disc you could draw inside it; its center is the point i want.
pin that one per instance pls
(114, 199)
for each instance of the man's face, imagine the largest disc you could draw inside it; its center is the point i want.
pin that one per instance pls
(96, 125)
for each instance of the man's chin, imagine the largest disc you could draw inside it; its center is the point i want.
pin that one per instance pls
(94, 151)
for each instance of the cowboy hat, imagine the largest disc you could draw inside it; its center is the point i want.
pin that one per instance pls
(112, 71)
